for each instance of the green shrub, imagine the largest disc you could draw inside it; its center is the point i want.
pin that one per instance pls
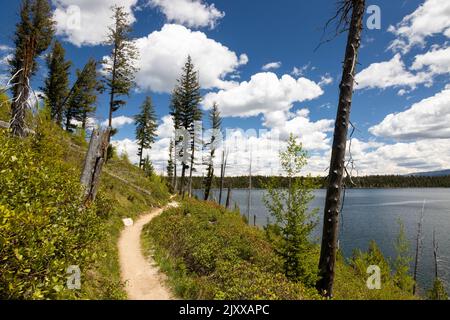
(210, 253)
(351, 278)
(43, 228)
(294, 222)
(437, 292)
(4, 107)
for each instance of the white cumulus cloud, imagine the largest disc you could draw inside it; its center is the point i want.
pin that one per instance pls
(426, 119)
(436, 61)
(191, 13)
(265, 93)
(271, 66)
(86, 22)
(429, 19)
(392, 73)
(163, 54)
(118, 122)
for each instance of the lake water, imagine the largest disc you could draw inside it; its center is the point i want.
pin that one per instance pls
(372, 214)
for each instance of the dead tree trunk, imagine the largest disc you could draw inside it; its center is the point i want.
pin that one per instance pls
(435, 254)
(22, 91)
(418, 247)
(95, 158)
(223, 167)
(228, 203)
(209, 179)
(175, 178)
(191, 169)
(335, 177)
(249, 196)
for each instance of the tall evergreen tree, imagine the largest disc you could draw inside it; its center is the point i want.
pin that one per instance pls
(83, 96)
(170, 164)
(185, 111)
(120, 66)
(33, 36)
(146, 126)
(57, 83)
(147, 167)
(216, 122)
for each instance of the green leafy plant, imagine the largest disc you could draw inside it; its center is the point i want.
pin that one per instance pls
(294, 222)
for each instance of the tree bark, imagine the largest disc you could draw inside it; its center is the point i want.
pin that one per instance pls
(329, 245)
(222, 176)
(228, 203)
(249, 196)
(19, 104)
(418, 246)
(175, 178)
(183, 179)
(209, 180)
(191, 169)
(95, 158)
(435, 254)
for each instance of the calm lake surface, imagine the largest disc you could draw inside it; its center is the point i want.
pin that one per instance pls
(372, 214)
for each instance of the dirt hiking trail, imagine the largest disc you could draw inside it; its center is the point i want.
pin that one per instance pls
(141, 275)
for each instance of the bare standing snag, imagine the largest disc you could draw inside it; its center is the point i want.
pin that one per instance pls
(337, 166)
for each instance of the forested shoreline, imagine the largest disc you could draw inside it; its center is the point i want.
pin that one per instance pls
(367, 182)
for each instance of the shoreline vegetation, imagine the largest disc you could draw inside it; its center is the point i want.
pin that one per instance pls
(208, 252)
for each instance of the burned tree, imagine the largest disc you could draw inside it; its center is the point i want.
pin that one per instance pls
(216, 122)
(93, 164)
(350, 14)
(223, 169)
(33, 36)
(418, 247)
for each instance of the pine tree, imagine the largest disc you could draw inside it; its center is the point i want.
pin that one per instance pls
(83, 96)
(402, 263)
(57, 83)
(147, 167)
(146, 126)
(33, 36)
(120, 67)
(185, 111)
(170, 164)
(216, 122)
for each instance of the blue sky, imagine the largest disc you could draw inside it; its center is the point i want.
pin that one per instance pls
(404, 69)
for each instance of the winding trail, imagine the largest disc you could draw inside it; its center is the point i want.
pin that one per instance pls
(143, 280)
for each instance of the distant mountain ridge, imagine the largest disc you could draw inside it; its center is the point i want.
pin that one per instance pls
(439, 173)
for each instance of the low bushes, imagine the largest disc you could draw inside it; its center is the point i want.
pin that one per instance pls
(43, 228)
(210, 253)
